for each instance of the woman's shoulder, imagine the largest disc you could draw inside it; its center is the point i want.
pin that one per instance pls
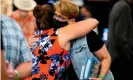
(94, 41)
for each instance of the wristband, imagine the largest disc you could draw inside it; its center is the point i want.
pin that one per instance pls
(102, 76)
(17, 75)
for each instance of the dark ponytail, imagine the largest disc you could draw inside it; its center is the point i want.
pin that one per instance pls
(44, 16)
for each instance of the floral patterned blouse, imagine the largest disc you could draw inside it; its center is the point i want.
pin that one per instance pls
(49, 60)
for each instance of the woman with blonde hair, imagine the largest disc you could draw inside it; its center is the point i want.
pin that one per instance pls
(66, 13)
(51, 55)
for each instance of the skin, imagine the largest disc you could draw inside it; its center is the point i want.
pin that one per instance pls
(105, 59)
(23, 14)
(71, 32)
(3, 66)
(22, 70)
(10, 71)
(67, 31)
(102, 53)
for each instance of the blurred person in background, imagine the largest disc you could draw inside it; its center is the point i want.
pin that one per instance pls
(120, 40)
(51, 56)
(16, 50)
(6, 7)
(85, 12)
(24, 16)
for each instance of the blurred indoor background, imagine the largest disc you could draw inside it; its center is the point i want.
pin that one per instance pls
(100, 10)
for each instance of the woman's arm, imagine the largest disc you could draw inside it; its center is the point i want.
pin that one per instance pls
(70, 32)
(105, 59)
(77, 30)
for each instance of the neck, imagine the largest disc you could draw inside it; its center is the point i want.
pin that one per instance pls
(24, 16)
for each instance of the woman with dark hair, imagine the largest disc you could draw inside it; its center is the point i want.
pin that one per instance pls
(51, 51)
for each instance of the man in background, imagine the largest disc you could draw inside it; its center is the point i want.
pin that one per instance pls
(120, 40)
(24, 16)
(6, 7)
(85, 12)
(16, 50)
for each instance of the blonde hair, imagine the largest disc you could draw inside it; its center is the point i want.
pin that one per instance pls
(68, 9)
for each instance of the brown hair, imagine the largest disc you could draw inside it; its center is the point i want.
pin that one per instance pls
(68, 9)
(44, 16)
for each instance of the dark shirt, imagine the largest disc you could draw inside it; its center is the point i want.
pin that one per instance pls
(120, 35)
(95, 43)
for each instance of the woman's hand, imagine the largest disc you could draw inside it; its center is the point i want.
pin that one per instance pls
(95, 79)
(32, 41)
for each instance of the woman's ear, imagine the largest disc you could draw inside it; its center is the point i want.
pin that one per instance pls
(71, 21)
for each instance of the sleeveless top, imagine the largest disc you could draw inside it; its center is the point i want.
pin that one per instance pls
(49, 59)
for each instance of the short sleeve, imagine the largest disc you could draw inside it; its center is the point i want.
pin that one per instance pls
(25, 52)
(94, 41)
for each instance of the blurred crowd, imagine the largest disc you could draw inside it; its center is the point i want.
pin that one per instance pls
(33, 32)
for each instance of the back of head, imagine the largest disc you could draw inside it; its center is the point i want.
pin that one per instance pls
(44, 16)
(87, 8)
(67, 9)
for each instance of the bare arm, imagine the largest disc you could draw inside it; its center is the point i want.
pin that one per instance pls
(105, 59)
(24, 70)
(77, 30)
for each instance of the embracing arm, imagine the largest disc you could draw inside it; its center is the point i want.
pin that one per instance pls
(77, 30)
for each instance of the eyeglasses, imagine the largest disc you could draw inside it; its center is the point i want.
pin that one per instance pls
(60, 18)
